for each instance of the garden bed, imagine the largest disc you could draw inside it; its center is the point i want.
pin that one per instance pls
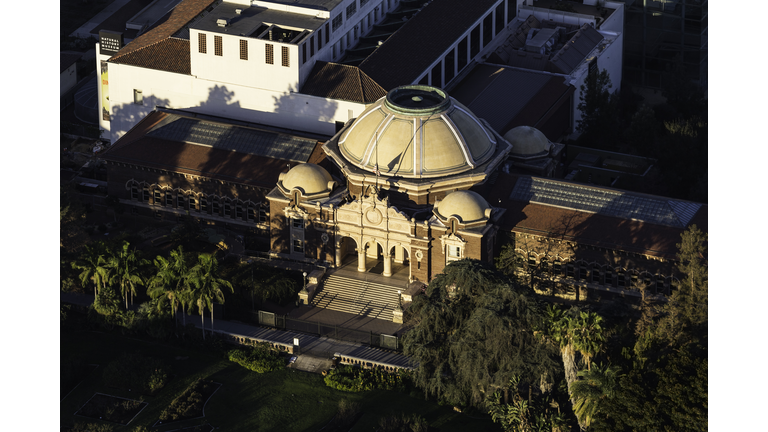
(190, 404)
(111, 408)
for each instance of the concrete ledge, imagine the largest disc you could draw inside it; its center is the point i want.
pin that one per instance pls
(369, 364)
(251, 341)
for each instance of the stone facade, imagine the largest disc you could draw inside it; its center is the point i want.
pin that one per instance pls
(151, 191)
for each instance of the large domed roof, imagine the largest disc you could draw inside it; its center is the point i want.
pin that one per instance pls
(417, 132)
(309, 178)
(527, 141)
(467, 206)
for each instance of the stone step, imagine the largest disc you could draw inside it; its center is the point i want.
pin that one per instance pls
(357, 297)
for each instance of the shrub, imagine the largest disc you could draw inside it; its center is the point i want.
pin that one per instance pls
(259, 359)
(403, 422)
(347, 378)
(92, 427)
(190, 403)
(135, 371)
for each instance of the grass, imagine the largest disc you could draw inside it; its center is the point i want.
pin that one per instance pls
(287, 400)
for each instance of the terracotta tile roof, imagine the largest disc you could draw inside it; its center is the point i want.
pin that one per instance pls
(343, 82)
(171, 55)
(138, 148)
(422, 40)
(584, 227)
(156, 49)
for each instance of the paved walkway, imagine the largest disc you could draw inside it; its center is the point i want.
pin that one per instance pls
(315, 350)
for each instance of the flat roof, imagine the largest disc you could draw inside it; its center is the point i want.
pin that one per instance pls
(326, 5)
(151, 14)
(215, 148)
(251, 18)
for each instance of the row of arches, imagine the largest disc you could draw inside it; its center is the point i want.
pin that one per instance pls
(592, 272)
(200, 202)
(374, 256)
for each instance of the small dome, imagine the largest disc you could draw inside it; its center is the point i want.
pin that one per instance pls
(467, 206)
(309, 178)
(527, 141)
(417, 131)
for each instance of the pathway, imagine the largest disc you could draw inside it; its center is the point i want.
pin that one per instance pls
(315, 350)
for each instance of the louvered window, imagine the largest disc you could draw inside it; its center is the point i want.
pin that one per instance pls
(269, 53)
(243, 50)
(217, 48)
(201, 43)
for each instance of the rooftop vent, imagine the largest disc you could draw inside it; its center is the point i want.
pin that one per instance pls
(222, 22)
(238, 11)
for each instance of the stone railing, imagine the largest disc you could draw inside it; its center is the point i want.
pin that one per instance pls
(369, 364)
(252, 341)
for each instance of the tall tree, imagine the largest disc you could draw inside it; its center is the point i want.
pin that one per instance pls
(207, 285)
(171, 280)
(665, 387)
(587, 337)
(93, 267)
(590, 392)
(126, 265)
(574, 332)
(598, 124)
(472, 331)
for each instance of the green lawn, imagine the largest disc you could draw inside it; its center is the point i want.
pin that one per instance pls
(288, 400)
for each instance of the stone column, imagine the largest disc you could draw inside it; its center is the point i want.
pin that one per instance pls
(338, 255)
(399, 255)
(361, 260)
(387, 265)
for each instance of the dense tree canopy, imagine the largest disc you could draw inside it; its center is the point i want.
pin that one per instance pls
(665, 386)
(472, 332)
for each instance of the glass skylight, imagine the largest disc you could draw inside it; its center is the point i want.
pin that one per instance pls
(605, 202)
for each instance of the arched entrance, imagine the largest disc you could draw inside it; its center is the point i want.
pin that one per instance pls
(346, 251)
(401, 263)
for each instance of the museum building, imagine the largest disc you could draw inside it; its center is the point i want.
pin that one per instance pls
(413, 183)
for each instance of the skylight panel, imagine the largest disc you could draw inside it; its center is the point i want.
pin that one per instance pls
(605, 202)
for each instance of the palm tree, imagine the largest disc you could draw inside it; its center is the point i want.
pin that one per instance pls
(598, 384)
(560, 333)
(170, 279)
(207, 285)
(126, 264)
(92, 265)
(588, 336)
(582, 334)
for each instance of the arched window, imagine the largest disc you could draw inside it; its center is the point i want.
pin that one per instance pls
(134, 191)
(621, 278)
(596, 273)
(227, 207)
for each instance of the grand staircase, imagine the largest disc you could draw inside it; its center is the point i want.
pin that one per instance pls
(358, 297)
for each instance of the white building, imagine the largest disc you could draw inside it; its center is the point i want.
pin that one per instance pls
(309, 65)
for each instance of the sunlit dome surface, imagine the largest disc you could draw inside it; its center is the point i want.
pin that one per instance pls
(309, 178)
(417, 132)
(467, 206)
